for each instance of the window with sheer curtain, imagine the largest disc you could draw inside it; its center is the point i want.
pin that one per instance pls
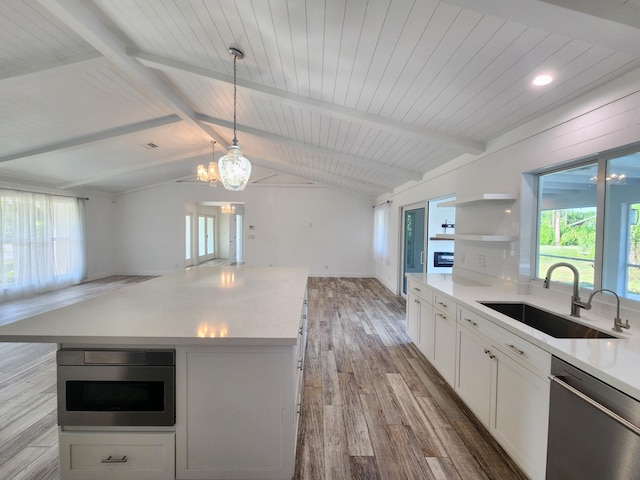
(42, 243)
(381, 215)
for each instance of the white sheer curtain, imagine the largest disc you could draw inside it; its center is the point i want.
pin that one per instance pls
(42, 243)
(381, 218)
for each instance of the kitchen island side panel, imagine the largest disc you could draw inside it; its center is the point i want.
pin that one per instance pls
(235, 412)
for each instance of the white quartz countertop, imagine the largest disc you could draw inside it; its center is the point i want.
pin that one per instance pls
(204, 305)
(614, 361)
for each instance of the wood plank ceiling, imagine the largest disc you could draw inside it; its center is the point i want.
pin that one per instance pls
(357, 95)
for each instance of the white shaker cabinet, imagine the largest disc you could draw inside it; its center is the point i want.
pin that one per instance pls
(420, 325)
(431, 325)
(502, 378)
(113, 455)
(520, 416)
(238, 409)
(475, 370)
(444, 349)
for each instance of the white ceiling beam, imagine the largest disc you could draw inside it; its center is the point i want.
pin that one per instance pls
(553, 18)
(93, 137)
(45, 71)
(83, 21)
(134, 168)
(335, 180)
(344, 113)
(399, 173)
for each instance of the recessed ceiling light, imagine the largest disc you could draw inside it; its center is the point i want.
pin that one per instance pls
(542, 79)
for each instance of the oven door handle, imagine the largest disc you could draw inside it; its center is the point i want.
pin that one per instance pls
(622, 421)
(112, 459)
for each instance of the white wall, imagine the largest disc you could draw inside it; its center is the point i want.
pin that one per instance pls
(604, 119)
(325, 230)
(101, 235)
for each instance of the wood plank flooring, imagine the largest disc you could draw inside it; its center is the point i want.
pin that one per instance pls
(373, 407)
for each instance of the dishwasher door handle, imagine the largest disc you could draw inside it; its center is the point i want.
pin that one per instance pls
(613, 415)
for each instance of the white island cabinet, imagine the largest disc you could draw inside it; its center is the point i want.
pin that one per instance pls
(239, 335)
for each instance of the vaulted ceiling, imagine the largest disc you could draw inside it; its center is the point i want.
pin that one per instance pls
(359, 95)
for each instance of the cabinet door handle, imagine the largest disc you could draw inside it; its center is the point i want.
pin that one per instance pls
(488, 352)
(112, 459)
(470, 321)
(417, 301)
(443, 304)
(417, 289)
(441, 315)
(515, 349)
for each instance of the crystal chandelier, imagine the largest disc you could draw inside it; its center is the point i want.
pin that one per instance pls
(209, 174)
(228, 209)
(234, 167)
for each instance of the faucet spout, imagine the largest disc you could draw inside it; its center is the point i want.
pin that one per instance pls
(576, 303)
(618, 325)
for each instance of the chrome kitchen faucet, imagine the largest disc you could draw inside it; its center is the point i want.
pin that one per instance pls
(576, 303)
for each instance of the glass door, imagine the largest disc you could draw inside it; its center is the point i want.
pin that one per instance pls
(206, 238)
(188, 241)
(413, 251)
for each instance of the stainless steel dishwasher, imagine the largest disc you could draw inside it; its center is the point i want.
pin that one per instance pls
(594, 429)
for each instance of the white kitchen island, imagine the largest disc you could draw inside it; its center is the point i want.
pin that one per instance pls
(239, 335)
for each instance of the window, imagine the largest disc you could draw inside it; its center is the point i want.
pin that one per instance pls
(381, 215)
(567, 222)
(41, 242)
(632, 266)
(187, 236)
(588, 217)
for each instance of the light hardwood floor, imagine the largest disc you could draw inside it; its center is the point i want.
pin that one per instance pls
(373, 407)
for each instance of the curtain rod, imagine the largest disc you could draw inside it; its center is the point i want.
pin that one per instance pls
(42, 193)
(388, 201)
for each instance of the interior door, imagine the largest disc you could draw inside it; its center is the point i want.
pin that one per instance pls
(414, 244)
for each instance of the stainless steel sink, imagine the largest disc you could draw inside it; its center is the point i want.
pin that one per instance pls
(547, 322)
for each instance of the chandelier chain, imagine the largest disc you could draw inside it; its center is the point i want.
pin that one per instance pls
(235, 135)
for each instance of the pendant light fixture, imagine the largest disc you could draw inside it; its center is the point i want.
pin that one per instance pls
(209, 174)
(234, 167)
(228, 209)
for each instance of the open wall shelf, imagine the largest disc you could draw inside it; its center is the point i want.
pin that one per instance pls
(473, 237)
(479, 199)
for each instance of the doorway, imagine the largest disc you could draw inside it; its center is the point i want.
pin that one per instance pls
(413, 243)
(213, 235)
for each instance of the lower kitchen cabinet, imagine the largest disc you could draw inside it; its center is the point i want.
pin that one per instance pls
(502, 379)
(474, 375)
(420, 322)
(520, 416)
(236, 412)
(413, 317)
(100, 455)
(444, 338)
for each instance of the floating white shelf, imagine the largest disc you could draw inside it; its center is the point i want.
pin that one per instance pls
(478, 199)
(474, 237)
(443, 236)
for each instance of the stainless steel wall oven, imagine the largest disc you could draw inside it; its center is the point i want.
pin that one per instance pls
(127, 387)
